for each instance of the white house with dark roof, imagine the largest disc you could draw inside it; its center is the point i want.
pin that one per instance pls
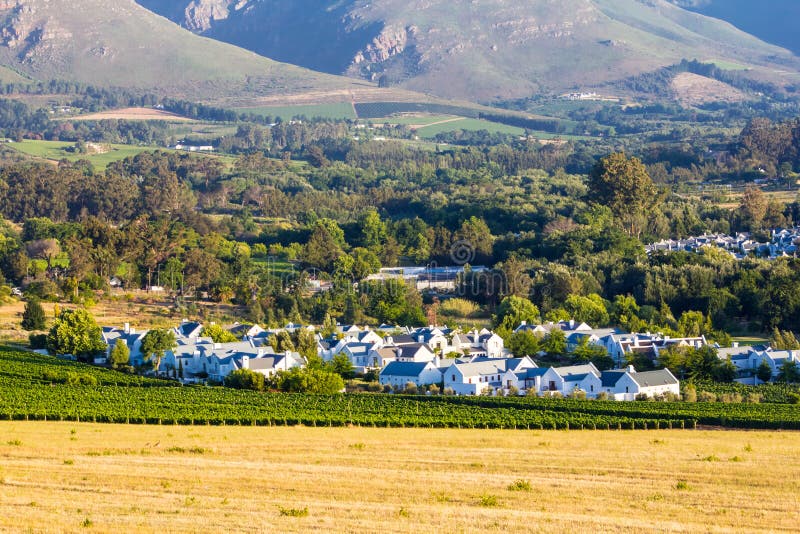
(627, 384)
(420, 373)
(128, 335)
(565, 380)
(485, 374)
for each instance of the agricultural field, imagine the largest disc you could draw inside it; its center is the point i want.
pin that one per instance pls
(341, 110)
(91, 477)
(134, 114)
(468, 125)
(58, 150)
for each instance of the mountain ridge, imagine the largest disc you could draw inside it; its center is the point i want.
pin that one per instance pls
(126, 45)
(485, 50)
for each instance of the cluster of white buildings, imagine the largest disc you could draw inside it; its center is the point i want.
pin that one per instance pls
(747, 361)
(493, 376)
(783, 242)
(466, 363)
(197, 358)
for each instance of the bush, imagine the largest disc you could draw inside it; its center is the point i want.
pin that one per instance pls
(690, 393)
(602, 396)
(578, 394)
(433, 389)
(411, 388)
(730, 398)
(458, 308)
(706, 396)
(37, 341)
(520, 485)
(794, 398)
(245, 379)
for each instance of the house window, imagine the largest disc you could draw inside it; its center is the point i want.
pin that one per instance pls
(591, 388)
(626, 389)
(552, 386)
(454, 378)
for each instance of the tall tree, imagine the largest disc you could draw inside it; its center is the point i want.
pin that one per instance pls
(76, 333)
(622, 184)
(33, 318)
(155, 344)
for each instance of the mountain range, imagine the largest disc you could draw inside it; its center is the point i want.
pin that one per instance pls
(478, 50)
(119, 43)
(481, 50)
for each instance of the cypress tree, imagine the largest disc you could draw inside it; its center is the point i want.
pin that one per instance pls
(33, 317)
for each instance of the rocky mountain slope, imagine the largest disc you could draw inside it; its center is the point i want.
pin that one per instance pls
(120, 43)
(480, 50)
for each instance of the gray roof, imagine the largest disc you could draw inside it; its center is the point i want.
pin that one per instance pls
(576, 370)
(661, 377)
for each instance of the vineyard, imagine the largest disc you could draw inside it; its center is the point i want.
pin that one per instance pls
(43, 388)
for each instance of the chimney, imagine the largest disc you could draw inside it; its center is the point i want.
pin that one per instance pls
(245, 362)
(631, 369)
(127, 328)
(131, 330)
(735, 344)
(524, 323)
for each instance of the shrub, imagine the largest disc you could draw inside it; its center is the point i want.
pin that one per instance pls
(293, 512)
(37, 341)
(411, 388)
(520, 485)
(578, 394)
(754, 398)
(245, 379)
(730, 398)
(602, 396)
(706, 396)
(433, 389)
(794, 398)
(690, 393)
(642, 397)
(458, 308)
(488, 500)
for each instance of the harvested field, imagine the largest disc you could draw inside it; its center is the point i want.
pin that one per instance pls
(75, 476)
(134, 114)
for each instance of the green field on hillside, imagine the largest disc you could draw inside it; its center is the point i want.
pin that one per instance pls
(472, 125)
(342, 110)
(58, 150)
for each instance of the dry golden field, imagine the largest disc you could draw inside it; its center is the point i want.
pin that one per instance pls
(106, 478)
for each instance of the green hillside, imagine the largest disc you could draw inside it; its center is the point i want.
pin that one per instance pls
(120, 43)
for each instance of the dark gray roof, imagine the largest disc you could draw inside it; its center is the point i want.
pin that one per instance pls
(661, 377)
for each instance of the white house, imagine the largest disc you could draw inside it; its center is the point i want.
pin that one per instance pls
(400, 373)
(566, 380)
(478, 377)
(627, 384)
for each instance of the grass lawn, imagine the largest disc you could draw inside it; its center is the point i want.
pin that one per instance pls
(57, 150)
(79, 476)
(342, 110)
